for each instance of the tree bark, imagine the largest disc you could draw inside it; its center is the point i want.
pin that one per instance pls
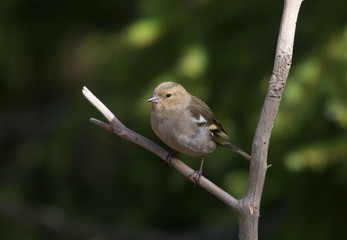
(250, 203)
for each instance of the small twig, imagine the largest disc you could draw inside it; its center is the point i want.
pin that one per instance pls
(101, 124)
(120, 129)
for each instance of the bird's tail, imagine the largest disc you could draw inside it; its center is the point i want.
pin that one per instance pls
(238, 150)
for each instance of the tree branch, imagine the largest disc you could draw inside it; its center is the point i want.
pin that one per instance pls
(283, 58)
(248, 207)
(121, 130)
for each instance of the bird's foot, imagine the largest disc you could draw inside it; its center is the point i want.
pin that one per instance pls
(196, 175)
(170, 157)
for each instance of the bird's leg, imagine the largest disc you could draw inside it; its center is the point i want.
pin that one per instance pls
(197, 174)
(170, 156)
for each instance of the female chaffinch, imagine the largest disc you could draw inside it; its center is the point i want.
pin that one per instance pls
(186, 124)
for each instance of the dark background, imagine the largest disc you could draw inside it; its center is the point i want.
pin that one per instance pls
(64, 178)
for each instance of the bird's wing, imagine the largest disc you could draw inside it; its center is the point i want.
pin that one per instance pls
(204, 117)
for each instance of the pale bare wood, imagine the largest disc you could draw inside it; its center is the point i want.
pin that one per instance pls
(250, 203)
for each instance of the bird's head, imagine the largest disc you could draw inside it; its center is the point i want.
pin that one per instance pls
(170, 96)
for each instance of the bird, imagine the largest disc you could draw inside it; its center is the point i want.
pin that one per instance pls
(186, 124)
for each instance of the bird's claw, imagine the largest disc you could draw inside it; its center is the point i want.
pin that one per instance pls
(196, 175)
(170, 156)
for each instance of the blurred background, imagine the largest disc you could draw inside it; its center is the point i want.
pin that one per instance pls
(61, 177)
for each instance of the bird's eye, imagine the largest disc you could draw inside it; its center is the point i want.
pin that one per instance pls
(168, 95)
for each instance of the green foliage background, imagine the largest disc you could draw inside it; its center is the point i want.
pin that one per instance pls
(63, 178)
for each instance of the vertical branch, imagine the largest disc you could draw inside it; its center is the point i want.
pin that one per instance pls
(250, 203)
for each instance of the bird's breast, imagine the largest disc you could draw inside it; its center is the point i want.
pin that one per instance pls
(181, 133)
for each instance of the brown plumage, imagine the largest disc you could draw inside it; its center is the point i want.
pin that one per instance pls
(186, 124)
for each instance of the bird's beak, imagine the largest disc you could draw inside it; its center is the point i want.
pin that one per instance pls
(153, 99)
